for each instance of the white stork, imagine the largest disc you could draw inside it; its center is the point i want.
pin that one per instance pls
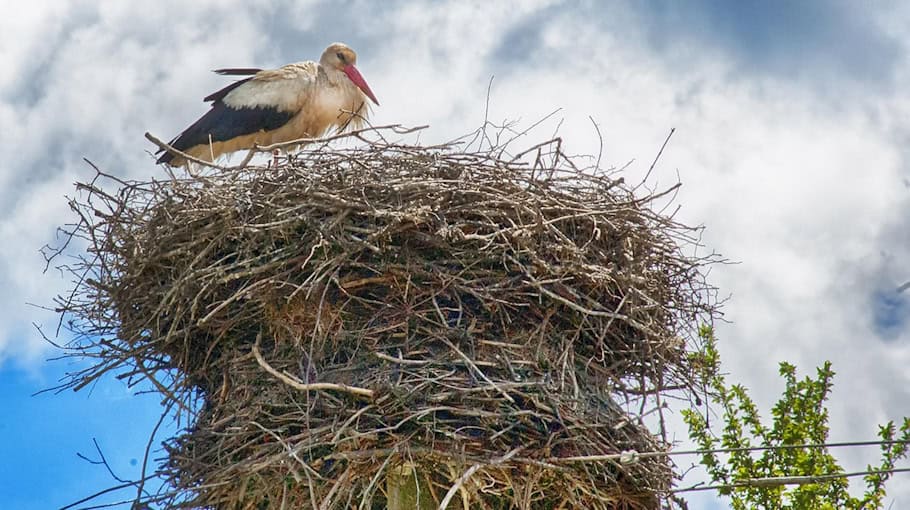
(300, 100)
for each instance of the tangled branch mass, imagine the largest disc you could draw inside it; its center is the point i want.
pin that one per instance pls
(363, 314)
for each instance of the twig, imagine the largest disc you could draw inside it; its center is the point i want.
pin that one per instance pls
(300, 385)
(478, 371)
(103, 492)
(148, 449)
(470, 472)
(656, 159)
(306, 141)
(164, 146)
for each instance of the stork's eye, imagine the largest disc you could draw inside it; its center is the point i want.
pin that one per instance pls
(340, 56)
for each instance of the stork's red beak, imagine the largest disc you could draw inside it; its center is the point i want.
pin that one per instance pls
(358, 80)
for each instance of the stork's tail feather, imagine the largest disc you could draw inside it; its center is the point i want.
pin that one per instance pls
(237, 71)
(167, 157)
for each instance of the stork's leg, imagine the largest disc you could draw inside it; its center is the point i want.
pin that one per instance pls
(275, 154)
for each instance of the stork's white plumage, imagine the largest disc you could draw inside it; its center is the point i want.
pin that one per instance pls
(301, 100)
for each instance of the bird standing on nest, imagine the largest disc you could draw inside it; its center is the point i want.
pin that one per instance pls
(300, 100)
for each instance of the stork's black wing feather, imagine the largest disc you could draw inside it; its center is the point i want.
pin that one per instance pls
(223, 123)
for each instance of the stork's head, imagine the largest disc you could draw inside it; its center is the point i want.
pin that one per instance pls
(342, 58)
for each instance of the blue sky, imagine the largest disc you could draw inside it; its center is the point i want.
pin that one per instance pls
(44, 434)
(791, 143)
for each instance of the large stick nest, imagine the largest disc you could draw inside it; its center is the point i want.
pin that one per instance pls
(488, 323)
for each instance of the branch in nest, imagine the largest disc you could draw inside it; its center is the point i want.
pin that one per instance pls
(295, 383)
